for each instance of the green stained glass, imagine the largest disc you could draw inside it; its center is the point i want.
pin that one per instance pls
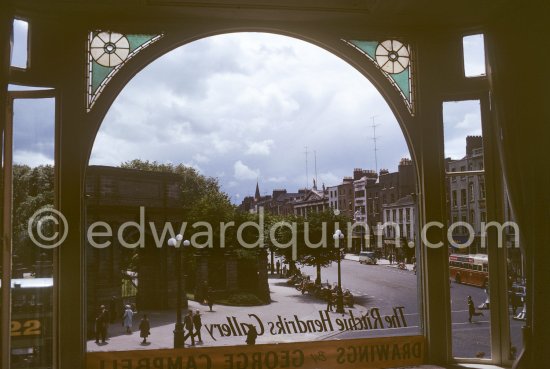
(393, 59)
(99, 74)
(137, 40)
(402, 81)
(107, 53)
(368, 47)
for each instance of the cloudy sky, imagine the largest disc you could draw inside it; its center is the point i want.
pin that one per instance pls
(243, 107)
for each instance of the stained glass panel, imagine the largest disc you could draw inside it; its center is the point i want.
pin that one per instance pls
(393, 57)
(107, 53)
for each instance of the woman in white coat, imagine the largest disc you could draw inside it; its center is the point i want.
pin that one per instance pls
(127, 319)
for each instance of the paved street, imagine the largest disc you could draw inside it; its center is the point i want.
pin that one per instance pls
(381, 286)
(386, 286)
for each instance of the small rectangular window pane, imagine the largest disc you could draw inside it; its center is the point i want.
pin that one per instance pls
(19, 57)
(32, 274)
(474, 55)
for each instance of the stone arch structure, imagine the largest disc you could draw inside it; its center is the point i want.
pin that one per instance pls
(514, 106)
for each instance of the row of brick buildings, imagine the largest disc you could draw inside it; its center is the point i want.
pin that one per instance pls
(374, 198)
(366, 197)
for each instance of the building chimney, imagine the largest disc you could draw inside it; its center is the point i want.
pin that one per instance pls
(472, 143)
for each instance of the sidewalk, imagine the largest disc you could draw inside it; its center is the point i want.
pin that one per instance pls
(287, 302)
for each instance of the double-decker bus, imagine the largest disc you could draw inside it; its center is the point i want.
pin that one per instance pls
(469, 269)
(31, 323)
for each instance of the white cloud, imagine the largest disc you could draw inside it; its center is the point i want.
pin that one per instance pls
(253, 95)
(277, 179)
(31, 158)
(329, 179)
(259, 148)
(201, 158)
(242, 171)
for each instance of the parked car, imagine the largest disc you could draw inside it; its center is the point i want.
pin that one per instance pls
(367, 257)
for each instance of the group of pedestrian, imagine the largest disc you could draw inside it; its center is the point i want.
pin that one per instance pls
(193, 324)
(104, 317)
(278, 268)
(192, 321)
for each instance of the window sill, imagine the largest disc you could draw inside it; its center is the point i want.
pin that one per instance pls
(475, 366)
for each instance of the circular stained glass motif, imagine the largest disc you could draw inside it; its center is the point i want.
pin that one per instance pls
(392, 56)
(109, 49)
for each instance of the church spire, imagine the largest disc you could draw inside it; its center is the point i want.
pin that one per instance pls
(257, 194)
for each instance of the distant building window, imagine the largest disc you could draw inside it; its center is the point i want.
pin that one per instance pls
(481, 190)
(471, 191)
(463, 197)
(483, 216)
(455, 202)
(408, 214)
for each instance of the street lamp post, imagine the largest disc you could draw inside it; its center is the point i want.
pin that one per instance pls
(338, 235)
(179, 334)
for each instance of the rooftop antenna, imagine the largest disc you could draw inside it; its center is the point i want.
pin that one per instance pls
(374, 139)
(315, 156)
(307, 174)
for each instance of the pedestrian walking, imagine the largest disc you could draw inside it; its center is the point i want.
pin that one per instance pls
(472, 310)
(127, 319)
(328, 295)
(278, 266)
(101, 322)
(390, 258)
(188, 324)
(209, 298)
(144, 328)
(197, 324)
(251, 335)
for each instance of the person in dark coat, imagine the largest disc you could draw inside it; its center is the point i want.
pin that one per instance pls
(144, 328)
(101, 323)
(251, 335)
(472, 309)
(209, 298)
(278, 266)
(188, 324)
(197, 324)
(328, 296)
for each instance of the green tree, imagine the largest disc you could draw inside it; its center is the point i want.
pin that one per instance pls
(317, 230)
(311, 229)
(194, 185)
(33, 188)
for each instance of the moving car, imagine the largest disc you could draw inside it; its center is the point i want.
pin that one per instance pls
(367, 257)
